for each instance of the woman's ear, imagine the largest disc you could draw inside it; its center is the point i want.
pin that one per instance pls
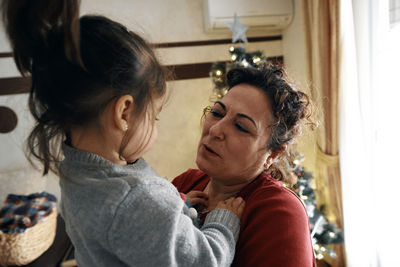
(123, 109)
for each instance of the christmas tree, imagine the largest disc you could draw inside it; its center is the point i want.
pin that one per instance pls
(323, 233)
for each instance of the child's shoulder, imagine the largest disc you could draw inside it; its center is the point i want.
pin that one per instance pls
(156, 196)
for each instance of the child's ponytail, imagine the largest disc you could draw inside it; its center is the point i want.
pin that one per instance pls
(30, 25)
(37, 30)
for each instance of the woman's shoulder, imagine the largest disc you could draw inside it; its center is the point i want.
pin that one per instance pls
(188, 180)
(270, 192)
(190, 174)
(274, 227)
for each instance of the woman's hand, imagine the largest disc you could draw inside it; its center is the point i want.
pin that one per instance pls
(198, 198)
(235, 205)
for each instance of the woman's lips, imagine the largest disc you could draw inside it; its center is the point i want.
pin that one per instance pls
(209, 151)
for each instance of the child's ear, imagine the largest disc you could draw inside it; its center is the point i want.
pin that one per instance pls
(123, 109)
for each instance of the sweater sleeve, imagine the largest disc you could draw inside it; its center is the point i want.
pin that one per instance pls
(150, 229)
(276, 232)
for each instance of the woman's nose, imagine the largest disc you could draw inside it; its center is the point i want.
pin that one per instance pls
(217, 129)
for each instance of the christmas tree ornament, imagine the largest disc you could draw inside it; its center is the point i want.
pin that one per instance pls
(238, 30)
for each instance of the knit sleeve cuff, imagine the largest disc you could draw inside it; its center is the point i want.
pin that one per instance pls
(226, 218)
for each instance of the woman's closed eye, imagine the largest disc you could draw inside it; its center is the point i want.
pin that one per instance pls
(241, 128)
(216, 113)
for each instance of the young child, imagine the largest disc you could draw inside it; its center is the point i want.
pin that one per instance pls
(96, 91)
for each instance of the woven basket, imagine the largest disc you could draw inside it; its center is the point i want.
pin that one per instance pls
(23, 248)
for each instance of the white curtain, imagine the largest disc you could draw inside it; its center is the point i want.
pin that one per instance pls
(369, 130)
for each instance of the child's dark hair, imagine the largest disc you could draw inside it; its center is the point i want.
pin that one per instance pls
(290, 107)
(78, 66)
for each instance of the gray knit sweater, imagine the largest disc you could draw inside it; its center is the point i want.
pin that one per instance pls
(128, 216)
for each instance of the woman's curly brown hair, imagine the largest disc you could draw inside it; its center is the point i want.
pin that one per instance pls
(290, 107)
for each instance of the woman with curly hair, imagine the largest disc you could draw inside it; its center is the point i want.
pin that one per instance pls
(245, 134)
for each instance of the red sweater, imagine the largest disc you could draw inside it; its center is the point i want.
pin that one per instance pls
(274, 227)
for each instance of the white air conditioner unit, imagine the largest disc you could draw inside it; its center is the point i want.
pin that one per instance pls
(266, 14)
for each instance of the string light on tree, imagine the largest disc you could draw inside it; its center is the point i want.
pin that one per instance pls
(256, 59)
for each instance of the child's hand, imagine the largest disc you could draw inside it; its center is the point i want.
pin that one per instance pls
(235, 205)
(198, 198)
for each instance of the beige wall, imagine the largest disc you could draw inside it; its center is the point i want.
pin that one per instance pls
(179, 128)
